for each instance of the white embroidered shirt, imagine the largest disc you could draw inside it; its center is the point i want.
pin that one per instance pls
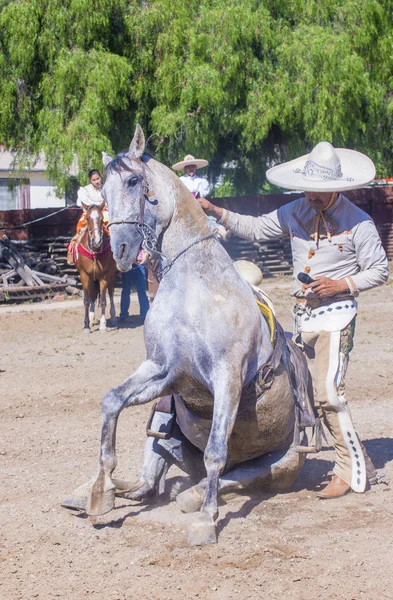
(354, 250)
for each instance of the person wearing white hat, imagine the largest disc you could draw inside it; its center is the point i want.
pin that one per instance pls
(199, 186)
(337, 253)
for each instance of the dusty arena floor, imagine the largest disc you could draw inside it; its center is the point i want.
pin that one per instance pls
(287, 546)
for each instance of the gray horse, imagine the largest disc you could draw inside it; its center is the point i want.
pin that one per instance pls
(207, 344)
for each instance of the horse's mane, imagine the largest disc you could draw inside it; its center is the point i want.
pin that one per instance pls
(119, 163)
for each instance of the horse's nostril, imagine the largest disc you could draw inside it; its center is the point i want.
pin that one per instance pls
(122, 251)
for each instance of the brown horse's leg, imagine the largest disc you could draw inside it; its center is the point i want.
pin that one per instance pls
(103, 288)
(85, 281)
(111, 289)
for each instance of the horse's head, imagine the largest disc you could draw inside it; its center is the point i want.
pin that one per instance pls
(137, 217)
(95, 225)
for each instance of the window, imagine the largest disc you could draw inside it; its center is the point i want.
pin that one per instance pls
(8, 194)
(14, 193)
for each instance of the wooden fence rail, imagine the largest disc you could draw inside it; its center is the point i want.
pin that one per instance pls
(273, 257)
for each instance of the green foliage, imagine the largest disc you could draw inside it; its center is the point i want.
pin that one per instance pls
(243, 83)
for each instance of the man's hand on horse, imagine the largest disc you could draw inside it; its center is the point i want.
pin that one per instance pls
(210, 209)
(324, 286)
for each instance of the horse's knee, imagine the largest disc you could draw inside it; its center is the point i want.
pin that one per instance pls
(215, 458)
(111, 405)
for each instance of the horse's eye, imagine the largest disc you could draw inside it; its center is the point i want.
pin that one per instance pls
(132, 181)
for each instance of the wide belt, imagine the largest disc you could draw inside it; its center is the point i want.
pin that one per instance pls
(317, 302)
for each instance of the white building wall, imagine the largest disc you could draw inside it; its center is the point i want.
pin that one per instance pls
(43, 192)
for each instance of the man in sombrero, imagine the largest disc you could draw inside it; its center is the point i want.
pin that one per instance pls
(337, 245)
(199, 186)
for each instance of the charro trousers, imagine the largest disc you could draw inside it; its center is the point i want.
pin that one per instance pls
(136, 276)
(327, 356)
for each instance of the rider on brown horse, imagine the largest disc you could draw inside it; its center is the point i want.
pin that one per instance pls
(87, 196)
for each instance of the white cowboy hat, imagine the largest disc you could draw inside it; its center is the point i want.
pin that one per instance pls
(254, 276)
(190, 160)
(249, 271)
(325, 169)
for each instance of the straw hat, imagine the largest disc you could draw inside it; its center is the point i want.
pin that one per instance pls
(189, 159)
(325, 169)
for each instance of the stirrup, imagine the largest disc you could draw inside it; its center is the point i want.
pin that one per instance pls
(316, 438)
(161, 435)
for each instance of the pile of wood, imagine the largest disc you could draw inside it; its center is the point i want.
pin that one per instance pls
(29, 271)
(273, 257)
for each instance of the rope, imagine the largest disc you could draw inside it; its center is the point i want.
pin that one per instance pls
(23, 225)
(165, 270)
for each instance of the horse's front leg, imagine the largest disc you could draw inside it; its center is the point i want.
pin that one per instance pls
(86, 300)
(103, 288)
(227, 392)
(148, 382)
(111, 289)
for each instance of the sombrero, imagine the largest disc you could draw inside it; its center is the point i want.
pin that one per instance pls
(249, 271)
(189, 159)
(325, 169)
(254, 276)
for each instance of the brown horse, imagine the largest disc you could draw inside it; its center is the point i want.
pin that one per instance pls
(97, 269)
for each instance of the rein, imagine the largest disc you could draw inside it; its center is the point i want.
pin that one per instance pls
(150, 240)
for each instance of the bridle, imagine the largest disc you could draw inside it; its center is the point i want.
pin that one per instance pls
(150, 241)
(90, 241)
(90, 232)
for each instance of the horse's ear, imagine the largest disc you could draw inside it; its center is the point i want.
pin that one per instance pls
(106, 159)
(102, 206)
(137, 146)
(85, 206)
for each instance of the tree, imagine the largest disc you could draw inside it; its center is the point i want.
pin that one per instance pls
(245, 83)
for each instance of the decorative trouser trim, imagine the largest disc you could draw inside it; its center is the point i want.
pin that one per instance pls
(327, 357)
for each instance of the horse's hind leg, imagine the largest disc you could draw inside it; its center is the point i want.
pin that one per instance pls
(148, 382)
(275, 471)
(91, 313)
(161, 454)
(111, 289)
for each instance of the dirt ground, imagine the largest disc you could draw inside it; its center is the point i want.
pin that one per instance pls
(285, 546)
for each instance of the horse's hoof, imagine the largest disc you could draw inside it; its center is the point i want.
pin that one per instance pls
(202, 532)
(123, 487)
(79, 497)
(190, 500)
(102, 329)
(100, 504)
(101, 500)
(141, 494)
(74, 503)
(86, 330)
